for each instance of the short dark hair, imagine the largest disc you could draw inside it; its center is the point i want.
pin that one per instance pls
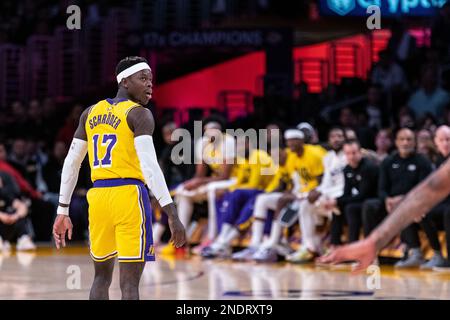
(215, 118)
(404, 128)
(336, 128)
(353, 141)
(128, 62)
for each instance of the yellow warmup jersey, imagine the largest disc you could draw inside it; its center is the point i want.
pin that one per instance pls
(320, 150)
(111, 142)
(283, 176)
(309, 167)
(255, 172)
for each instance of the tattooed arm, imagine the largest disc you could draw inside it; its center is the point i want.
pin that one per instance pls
(416, 204)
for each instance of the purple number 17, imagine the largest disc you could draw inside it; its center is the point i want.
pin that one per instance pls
(109, 140)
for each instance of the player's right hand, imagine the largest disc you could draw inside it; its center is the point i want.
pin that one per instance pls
(178, 238)
(62, 225)
(363, 252)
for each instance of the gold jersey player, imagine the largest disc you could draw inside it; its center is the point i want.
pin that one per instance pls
(117, 135)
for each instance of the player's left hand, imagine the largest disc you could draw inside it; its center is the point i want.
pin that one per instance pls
(363, 252)
(62, 225)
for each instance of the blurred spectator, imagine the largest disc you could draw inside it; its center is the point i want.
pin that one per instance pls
(175, 171)
(425, 145)
(440, 30)
(406, 119)
(403, 48)
(51, 173)
(27, 164)
(36, 120)
(39, 126)
(384, 143)
(18, 121)
(401, 44)
(41, 212)
(361, 176)
(311, 136)
(375, 109)
(306, 108)
(399, 173)
(428, 122)
(446, 117)
(65, 134)
(433, 59)
(350, 134)
(348, 120)
(388, 73)
(14, 224)
(24, 185)
(429, 97)
(329, 95)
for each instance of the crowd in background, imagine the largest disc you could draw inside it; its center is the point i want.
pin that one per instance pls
(406, 99)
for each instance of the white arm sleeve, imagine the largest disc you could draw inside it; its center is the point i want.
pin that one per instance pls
(69, 176)
(151, 170)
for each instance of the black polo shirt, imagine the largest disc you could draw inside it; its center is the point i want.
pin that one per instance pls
(399, 175)
(360, 183)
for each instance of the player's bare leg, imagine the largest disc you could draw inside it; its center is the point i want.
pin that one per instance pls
(130, 275)
(102, 280)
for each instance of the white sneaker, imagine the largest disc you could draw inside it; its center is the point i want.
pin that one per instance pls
(25, 259)
(6, 247)
(283, 249)
(25, 243)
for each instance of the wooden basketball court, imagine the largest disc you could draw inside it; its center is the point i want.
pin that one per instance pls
(67, 274)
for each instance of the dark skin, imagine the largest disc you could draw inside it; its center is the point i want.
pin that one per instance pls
(297, 146)
(137, 88)
(405, 143)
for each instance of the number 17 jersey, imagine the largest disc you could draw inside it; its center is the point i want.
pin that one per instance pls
(110, 140)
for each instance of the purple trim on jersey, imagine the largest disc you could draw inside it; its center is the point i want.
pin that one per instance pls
(148, 256)
(111, 101)
(117, 182)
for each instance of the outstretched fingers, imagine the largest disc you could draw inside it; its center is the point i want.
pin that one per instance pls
(334, 257)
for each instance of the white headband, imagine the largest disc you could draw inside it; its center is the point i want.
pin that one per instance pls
(305, 125)
(132, 70)
(213, 125)
(293, 134)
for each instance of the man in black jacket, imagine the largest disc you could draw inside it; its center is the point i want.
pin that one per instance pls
(399, 173)
(361, 176)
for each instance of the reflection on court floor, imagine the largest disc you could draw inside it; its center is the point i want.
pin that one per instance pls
(68, 274)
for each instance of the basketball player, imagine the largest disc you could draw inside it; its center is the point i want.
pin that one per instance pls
(236, 206)
(312, 211)
(307, 168)
(215, 153)
(416, 204)
(117, 135)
